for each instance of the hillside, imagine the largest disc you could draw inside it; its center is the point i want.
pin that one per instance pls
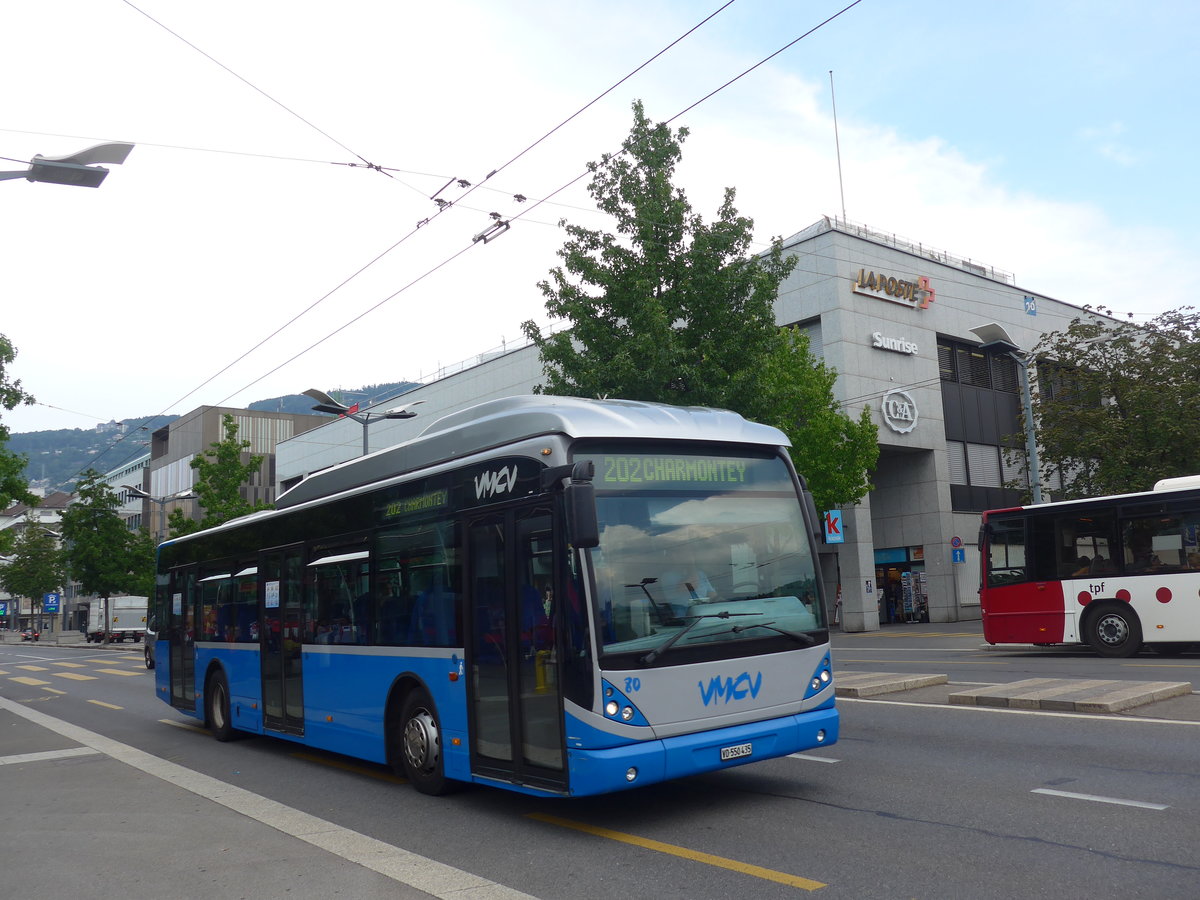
(57, 457)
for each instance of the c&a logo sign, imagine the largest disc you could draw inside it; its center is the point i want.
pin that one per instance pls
(917, 293)
(899, 411)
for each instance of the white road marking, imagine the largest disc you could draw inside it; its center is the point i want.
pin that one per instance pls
(45, 755)
(396, 863)
(1141, 804)
(1108, 717)
(811, 758)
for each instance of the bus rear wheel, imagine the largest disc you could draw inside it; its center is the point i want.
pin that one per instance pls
(1114, 630)
(420, 745)
(217, 700)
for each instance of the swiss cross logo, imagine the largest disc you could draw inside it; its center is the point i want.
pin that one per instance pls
(832, 525)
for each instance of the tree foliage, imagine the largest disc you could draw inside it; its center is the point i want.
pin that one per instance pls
(103, 555)
(675, 310)
(12, 465)
(36, 566)
(1118, 406)
(220, 473)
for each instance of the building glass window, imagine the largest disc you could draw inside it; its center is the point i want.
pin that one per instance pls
(956, 459)
(973, 367)
(983, 463)
(946, 362)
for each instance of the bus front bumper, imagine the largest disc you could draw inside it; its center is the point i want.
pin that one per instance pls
(649, 762)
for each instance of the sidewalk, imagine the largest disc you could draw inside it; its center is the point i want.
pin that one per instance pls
(86, 815)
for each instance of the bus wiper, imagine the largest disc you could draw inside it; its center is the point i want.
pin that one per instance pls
(670, 642)
(798, 636)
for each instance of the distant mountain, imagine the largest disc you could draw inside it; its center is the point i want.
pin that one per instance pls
(58, 456)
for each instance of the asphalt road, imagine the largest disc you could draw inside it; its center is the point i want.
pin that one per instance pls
(916, 800)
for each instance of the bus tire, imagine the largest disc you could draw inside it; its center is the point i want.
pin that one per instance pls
(216, 701)
(149, 658)
(1114, 630)
(420, 744)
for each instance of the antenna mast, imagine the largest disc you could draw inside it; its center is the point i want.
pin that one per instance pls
(837, 143)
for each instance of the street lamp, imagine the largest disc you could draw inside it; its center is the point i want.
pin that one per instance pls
(327, 404)
(162, 504)
(994, 337)
(78, 169)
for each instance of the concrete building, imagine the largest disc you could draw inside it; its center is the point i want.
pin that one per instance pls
(174, 446)
(895, 319)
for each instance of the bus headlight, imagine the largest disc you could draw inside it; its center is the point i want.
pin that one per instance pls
(627, 713)
(610, 708)
(631, 774)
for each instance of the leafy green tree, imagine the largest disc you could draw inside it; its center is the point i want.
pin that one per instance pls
(100, 550)
(221, 472)
(36, 566)
(1117, 406)
(12, 465)
(674, 310)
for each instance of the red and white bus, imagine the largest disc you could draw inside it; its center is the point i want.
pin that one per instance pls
(1116, 573)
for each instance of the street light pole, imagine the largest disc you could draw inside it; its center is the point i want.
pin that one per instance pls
(77, 169)
(327, 404)
(994, 337)
(162, 505)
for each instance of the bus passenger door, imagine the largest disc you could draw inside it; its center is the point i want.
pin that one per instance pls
(181, 638)
(281, 623)
(516, 701)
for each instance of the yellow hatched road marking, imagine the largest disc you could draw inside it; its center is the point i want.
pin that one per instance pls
(806, 884)
(25, 679)
(117, 672)
(184, 725)
(71, 665)
(75, 676)
(55, 691)
(32, 668)
(349, 767)
(4, 672)
(105, 705)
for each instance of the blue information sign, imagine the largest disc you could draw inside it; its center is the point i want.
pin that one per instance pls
(958, 555)
(50, 603)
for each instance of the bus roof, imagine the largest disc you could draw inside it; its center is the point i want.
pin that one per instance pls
(1163, 486)
(496, 423)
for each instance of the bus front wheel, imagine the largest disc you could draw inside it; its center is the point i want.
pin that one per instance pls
(421, 745)
(1114, 630)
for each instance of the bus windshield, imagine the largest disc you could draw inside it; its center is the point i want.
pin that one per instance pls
(700, 549)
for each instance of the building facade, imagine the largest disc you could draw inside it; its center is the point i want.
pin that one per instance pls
(894, 319)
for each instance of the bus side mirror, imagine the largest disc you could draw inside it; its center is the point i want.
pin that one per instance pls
(583, 527)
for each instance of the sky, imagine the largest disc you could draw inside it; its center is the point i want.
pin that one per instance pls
(246, 250)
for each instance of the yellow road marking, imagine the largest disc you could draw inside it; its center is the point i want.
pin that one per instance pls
(806, 884)
(184, 725)
(117, 672)
(75, 676)
(56, 691)
(350, 767)
(105, 705)
(71, 665)
(4, 672)
(32, 668)
(25, 679)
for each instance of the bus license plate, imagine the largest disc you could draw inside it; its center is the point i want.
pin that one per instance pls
(737, 751)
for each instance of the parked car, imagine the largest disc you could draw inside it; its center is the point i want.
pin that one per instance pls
(151, 637)
(30, 634)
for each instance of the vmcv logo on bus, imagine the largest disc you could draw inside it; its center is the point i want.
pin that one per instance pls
(489, 484)
(730, 689)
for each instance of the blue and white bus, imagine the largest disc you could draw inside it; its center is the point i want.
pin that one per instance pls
(557, 596)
